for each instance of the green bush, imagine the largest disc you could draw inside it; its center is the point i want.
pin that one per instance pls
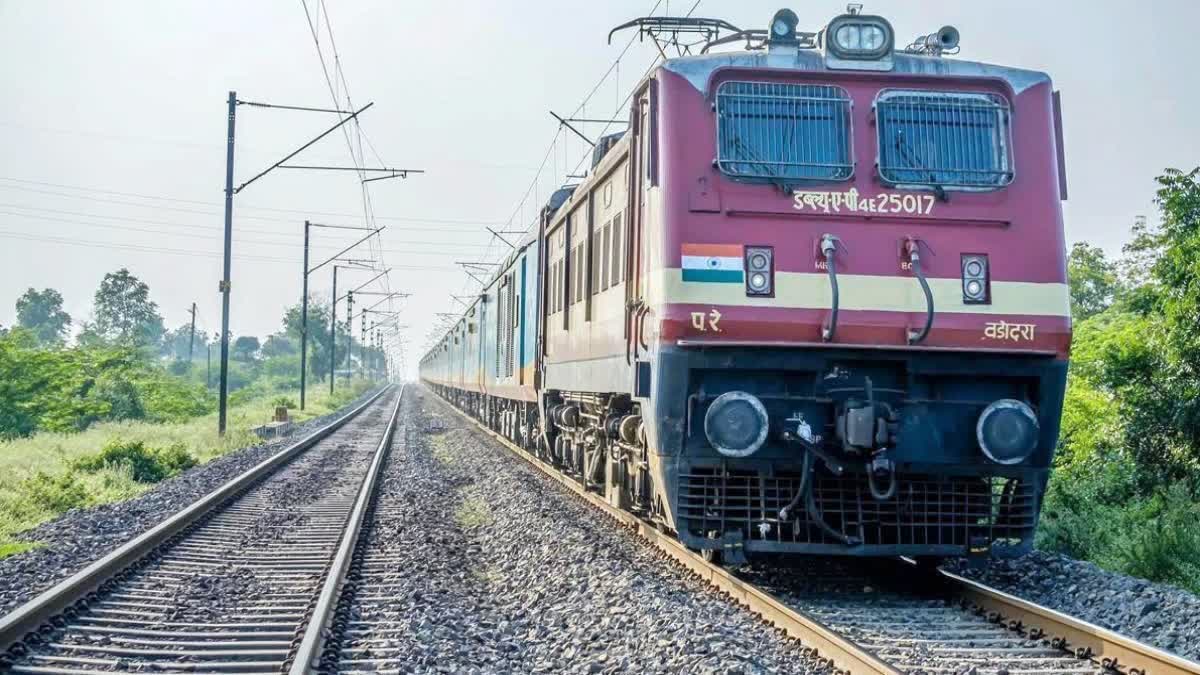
(284, 401)
(1160, 540)
(56, 493)
(175, 459)
(122, 397)
(146, 465)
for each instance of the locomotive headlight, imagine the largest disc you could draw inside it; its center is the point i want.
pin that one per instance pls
(854, 38)
(760, 270)
(1007, 431)
(736, 424)
(783, 26)
(975, 279)
(857, 37)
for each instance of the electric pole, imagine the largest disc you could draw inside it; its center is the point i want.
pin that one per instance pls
(208, 375)
(344, 117)
(304, 320)
(224, 287)
(192, 337)
(349, 335)
(333, 333)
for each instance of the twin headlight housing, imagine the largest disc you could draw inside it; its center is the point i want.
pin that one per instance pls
(859, 42)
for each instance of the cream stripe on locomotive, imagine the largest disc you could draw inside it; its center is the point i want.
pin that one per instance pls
(808, 290)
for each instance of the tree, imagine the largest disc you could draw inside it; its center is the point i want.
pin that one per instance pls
(1177, 270)
(279, 345)
(245, 348)
(1146, 352)
(318, 335)
(1092, 279)
(124, 312)
(42, 313)
(176, 342)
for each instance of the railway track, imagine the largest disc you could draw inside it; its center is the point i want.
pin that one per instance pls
(243, 581)
(916, 621)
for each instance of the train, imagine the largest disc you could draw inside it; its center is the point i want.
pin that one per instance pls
(812, 300)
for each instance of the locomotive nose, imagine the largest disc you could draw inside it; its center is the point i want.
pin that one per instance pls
(1007, 431)
(736, 424)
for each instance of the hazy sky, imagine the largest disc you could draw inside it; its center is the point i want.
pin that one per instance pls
(113, 129)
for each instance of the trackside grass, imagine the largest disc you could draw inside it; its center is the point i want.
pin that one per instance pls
(47, 474)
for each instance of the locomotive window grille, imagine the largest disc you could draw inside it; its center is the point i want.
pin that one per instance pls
(581, 256)
(596, 258)
(606, 251)
(580, 272)
(573, 291)
(558, 284)
(568, 286)
(578, 269)
(941, 139)
(779, 132)
(618, 250)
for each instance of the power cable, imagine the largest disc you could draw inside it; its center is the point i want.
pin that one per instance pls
(411, 219)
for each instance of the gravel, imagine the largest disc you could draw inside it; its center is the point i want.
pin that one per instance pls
(1157, 614)
(80, 537)
(490, 567)
(259, 560)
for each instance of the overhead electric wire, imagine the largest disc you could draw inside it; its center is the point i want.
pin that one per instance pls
(274, 243)
(5, 234)
(368, 207)
(533, 185)
(409, 219)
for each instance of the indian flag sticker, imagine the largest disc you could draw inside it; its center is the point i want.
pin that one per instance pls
(713, 263)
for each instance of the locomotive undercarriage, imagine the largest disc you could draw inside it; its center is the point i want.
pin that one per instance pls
(596, 439)
(599, 440)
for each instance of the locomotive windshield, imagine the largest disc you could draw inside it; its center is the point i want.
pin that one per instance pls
(943, 139)
(783, 132)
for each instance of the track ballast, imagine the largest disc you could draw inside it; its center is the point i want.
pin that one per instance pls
(238, 584)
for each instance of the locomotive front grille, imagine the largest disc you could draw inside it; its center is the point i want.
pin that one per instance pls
(924, 511)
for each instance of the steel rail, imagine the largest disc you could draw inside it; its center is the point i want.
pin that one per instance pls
(1111, 650)
(308, 654)
(842, 653)
(35, 613)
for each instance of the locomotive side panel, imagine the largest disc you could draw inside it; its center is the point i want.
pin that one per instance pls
(586, 346)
